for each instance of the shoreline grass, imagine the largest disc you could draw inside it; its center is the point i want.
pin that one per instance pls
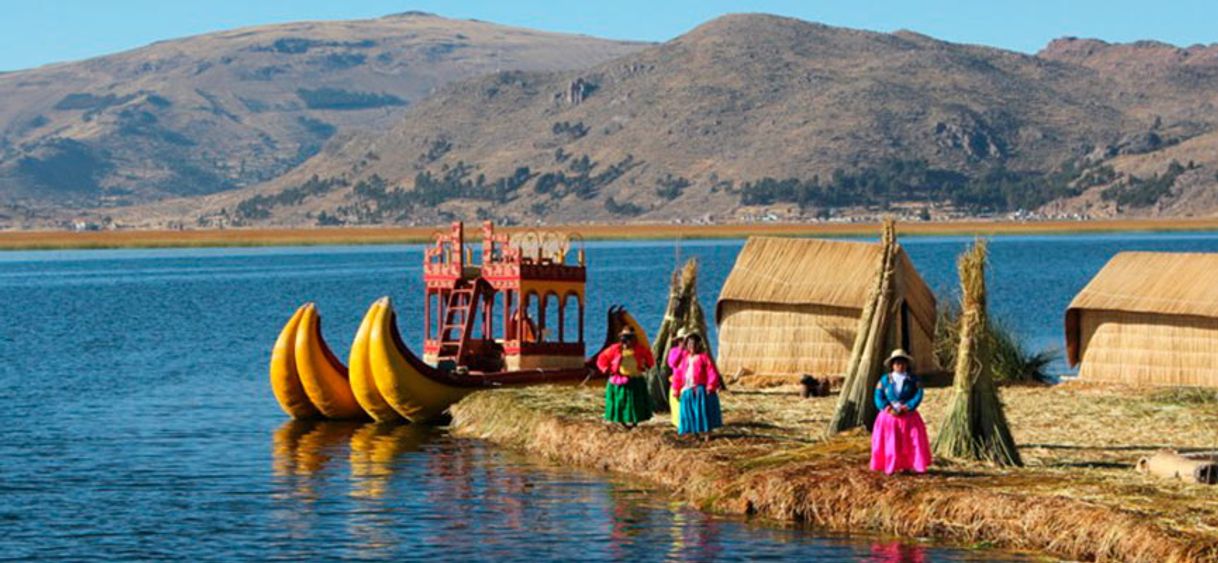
(1078, 497)
(61, 240)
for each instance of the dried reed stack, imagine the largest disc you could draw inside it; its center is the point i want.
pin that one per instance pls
(975, 427)
(854, 405)
(683, 312)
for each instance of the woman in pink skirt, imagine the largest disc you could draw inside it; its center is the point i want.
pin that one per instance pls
(898, 439)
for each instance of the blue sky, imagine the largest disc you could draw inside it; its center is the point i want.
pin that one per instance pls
(36, 32)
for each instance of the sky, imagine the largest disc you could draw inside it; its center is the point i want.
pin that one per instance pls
(37, 32)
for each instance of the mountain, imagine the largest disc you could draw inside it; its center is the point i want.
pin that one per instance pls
(751, 116)
(748, 114)
(225, 110)
(1170, 167)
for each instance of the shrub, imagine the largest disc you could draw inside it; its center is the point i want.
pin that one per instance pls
(627, 208)
(671, 188)
(997, 188)
(1136, 192)
(1012, 362)
(259, 206)
(85, 100)
(571, 131)
(337, 99)
(581, 181)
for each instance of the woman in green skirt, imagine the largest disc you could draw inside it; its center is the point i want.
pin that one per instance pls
(626, 398)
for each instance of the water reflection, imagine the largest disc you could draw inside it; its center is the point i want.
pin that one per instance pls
(374, 450)
(380, 491)
(693, 536)
(302, 450)
(897, 552)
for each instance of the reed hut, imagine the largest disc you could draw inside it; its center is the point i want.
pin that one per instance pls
(792, 306)
(1148, 318)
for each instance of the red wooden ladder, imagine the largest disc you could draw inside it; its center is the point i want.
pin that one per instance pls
(459, 316)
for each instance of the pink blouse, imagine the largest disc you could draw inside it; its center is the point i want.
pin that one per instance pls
(702, 369)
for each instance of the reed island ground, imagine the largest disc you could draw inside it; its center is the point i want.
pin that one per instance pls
(1078, 496)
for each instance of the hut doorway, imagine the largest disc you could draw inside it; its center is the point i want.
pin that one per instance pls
(902, 338)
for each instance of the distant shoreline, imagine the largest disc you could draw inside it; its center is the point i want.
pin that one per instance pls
(62, 240)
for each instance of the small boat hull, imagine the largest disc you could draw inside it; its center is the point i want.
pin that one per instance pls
(386, 380)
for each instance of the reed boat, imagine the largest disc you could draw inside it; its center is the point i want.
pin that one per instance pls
(515, 317)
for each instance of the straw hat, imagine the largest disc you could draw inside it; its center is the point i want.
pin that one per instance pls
(898, 354)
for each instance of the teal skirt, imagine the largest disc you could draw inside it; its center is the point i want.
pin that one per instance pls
(629, 403)
(700, 411)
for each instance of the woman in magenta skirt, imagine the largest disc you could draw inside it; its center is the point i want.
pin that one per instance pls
(898, 439)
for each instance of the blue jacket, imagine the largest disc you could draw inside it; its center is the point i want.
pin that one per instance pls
(910, 395)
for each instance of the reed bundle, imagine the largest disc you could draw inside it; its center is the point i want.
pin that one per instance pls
(683, 312)
(855, 407)
(976, 427)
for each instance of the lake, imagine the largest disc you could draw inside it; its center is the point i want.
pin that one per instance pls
(141, 425)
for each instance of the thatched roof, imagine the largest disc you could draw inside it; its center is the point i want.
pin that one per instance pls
(1164, 283)
(794, 271)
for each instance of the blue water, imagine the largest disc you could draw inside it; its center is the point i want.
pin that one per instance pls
(140, 423)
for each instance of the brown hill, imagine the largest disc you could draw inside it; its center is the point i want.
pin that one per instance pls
(1175, 90)
(751, 115)
(687, 129)
(225, 110)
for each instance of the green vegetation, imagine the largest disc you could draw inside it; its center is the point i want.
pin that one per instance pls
(627, 208)
(65, 165)
(316, 127)
(455, 184)
(259, 206)
(337, 99)
(671, 188)
(159, 101)
(342, 61)
(1136, 192)
(571, 131)
(87, 101)
(325, 219)
(1011, 361)
(299, 45)
(437, 149)
(579, 179)
(376, 202)
(893, 181)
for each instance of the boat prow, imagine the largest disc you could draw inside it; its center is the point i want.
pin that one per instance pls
(411, 387)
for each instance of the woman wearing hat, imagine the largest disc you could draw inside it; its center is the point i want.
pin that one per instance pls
(697, 381)
(676, 356)
(626, 398)
(898, 439)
